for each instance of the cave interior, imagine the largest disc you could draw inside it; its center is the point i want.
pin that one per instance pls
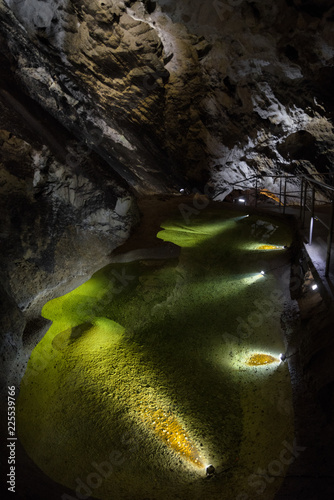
(167, 264)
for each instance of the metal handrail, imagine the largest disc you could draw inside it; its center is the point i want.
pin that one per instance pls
(313, 181)
(306, 182)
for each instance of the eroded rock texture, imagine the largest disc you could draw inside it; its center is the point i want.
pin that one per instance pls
(183, 91)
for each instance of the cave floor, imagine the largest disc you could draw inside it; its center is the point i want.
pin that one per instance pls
(142, 380)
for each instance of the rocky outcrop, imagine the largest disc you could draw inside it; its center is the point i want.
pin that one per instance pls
(100, 72)
(55, 219)
(182, 93)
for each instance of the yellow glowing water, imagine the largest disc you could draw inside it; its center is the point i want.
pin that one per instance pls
(144, 357)
(268, 247)
(172, 433)
(261, 359)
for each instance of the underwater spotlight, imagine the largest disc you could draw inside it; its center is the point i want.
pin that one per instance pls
(181, 190)
(210, 470)
(282, 357)
(241, 200)
(263, 273)
(314, 287)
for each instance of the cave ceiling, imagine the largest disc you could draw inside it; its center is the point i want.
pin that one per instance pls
(173, 93)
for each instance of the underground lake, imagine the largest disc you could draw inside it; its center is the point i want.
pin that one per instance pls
(156, 368)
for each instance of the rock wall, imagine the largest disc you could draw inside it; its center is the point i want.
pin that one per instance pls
(176, 94)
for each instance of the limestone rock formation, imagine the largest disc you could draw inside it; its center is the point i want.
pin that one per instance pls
(203, 92)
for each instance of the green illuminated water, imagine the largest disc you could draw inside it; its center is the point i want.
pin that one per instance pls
(160, 338)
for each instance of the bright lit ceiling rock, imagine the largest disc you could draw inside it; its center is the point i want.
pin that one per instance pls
(192, 90)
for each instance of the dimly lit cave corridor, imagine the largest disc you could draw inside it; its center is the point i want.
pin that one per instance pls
(167, 264)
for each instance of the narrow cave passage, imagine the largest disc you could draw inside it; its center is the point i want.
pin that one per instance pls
(146, 375)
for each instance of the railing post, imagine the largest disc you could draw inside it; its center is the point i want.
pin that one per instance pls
(304, 204)
(329, 240)
(280, 193)
(311, 231)
(284, 195)
(256, 190)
